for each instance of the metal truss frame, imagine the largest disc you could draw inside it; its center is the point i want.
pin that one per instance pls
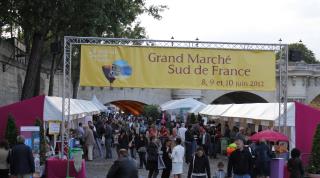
(70, 41)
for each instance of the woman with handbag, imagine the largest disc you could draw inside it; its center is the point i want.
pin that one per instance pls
(152, 160)
(166, 150)
(141, 146)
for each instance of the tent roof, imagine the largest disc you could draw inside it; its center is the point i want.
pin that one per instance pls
(215, 110)
(98, 103)
(78, 108)
(182, 103)
(257, 111)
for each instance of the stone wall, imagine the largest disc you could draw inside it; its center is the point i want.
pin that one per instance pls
(12, 75)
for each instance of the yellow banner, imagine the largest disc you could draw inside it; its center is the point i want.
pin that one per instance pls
(184, 68)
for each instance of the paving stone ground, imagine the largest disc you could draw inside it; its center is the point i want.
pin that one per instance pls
(99, 167)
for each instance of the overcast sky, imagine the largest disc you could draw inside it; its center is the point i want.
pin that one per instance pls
(259, 21)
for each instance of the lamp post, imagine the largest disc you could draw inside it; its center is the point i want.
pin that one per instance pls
(172, 38)
(197, 44)
(279, 97)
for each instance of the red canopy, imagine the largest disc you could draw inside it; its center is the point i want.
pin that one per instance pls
(25, 113)
(269, 135)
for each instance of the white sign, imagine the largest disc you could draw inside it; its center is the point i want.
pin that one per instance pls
(29, 128)
(54, 127)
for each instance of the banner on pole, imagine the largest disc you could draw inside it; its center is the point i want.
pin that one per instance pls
(183, 68)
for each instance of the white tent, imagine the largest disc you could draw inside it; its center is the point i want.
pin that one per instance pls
(182, 103)
(197, 109)
(255, 111)
(215, 110)
(52, 109)
(99, 104)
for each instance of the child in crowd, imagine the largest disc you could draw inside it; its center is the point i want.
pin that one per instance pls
(220, 173)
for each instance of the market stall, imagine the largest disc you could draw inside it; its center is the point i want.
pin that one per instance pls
(301, 119)
(46, 108)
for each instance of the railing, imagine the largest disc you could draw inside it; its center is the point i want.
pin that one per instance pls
(301, 66)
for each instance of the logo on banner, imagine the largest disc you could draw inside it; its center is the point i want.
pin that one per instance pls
(120, 69)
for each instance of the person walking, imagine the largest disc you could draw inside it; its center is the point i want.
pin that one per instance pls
(166, 157)
(188, 144)
(295, 164)
(240, 161)
(4, 159)
(262, 159)
(132, 138)
(177, 159)
(205, 141)
(124, 167)
(96, 139)
(108, 140)
(123, 141)
(181, 132)
(152, 159)
(141, 146)
(199, 166)
(89, 142)
(21, 160)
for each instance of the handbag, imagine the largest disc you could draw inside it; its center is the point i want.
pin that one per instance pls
(142, 149)
(161, 164)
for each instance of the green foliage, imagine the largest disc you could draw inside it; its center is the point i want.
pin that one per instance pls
(306, 54)
(314, 165)
(51, 20)
(11, 131)
(151, 112)
(42, 141)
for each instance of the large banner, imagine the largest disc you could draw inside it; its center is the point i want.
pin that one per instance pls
(183, 68)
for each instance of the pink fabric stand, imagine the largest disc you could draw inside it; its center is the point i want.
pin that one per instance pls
(25, 113)
(307, 119)
(57, 168)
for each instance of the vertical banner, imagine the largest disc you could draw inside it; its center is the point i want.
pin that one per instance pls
(183, 68)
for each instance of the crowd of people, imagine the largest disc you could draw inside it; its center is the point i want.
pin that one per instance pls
(167, 146)
(158, 147)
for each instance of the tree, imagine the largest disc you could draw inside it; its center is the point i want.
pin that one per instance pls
(43, 20)
(304, 53)
(314, 165)
(42, 142)
(11, 131)
(151, 112)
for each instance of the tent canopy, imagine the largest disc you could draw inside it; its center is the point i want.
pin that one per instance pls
(256, 111)
(99, 104)
(78, 108)
(182, 103)
(215, 110)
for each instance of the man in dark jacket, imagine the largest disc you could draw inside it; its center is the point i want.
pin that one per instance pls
(205, 141)
(124, 167)
(240, 161)
(108, 140)
(21, 160)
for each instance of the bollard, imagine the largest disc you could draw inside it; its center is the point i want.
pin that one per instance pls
(277, 168)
